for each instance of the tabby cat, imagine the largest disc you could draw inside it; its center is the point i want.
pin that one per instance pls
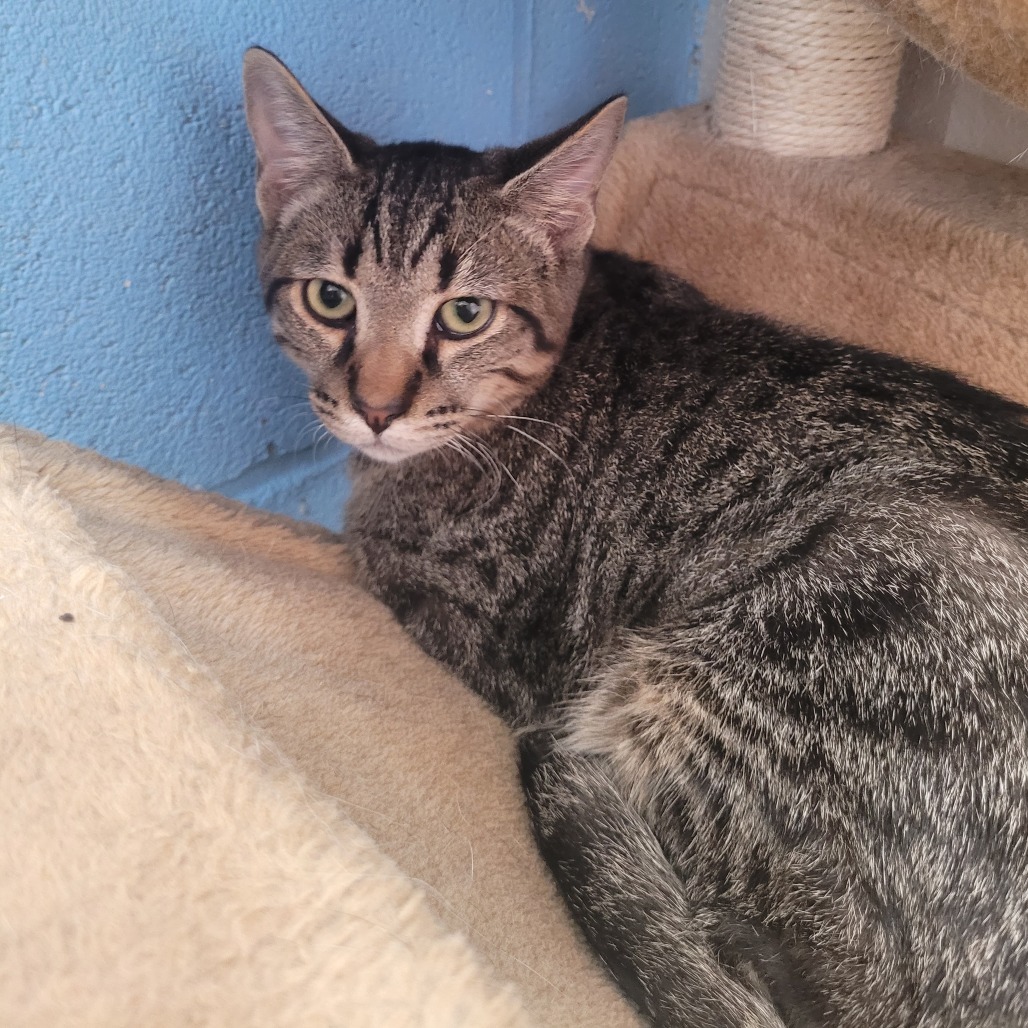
(756, 604)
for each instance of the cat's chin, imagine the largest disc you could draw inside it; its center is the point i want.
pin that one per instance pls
(386, 453)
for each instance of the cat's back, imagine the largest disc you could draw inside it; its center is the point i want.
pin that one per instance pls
(740, 447)
(832, 679)
(666, 356)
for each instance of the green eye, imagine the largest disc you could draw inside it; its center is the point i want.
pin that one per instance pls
(464, 316)
(328, 301)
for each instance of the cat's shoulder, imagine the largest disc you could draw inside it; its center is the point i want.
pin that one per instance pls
(658, 300)
(631, 283)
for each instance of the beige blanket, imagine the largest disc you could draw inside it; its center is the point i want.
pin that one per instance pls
(232, 792)
(203, 727)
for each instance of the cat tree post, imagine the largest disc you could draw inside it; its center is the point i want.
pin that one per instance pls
(813, 78)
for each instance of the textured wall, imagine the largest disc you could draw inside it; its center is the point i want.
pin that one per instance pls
(129, 316)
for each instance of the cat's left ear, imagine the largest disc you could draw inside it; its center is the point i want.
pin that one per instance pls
(558, 191)
(296, 143)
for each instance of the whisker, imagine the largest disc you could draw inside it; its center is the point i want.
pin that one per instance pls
(472, 446)
(497, 466)
(464, 448)
(553, 453)
(481, 446)
(453, 444)
(280, 397)
(323, 435)
(497, 481)
(522, 417)
(311, 420)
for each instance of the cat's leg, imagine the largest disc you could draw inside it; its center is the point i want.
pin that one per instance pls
(625, 895)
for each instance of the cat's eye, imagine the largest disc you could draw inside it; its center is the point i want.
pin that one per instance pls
(464, 316)
(329, 301)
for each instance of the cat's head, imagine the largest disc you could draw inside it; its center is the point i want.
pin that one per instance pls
(424, 289)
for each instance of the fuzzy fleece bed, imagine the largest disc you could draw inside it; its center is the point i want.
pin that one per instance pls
(232, 791)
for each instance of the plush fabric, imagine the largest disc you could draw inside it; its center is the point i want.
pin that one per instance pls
(163, 861)
(987, 39)
(204, 726)
(233, 792)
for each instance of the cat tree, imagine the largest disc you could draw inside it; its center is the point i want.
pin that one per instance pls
(806, 78)
(906, 247)
(222, 806)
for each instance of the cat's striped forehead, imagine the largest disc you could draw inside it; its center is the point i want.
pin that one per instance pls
(409, 200)
(417, 193)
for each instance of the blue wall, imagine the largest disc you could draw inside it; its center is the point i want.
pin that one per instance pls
(130, 321)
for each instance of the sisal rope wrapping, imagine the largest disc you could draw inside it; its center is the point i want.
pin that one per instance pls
(806, 77)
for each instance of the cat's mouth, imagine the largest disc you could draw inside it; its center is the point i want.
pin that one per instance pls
(392, 449)
(394, 444)
(377, 449)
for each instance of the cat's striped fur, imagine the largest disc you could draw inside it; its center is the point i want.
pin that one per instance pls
(757, 604)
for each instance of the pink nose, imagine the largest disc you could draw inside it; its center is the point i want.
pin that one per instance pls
(380, 418)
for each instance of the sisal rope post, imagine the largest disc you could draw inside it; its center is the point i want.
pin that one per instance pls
(813, 78)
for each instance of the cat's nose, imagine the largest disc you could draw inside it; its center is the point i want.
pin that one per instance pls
(379, 418)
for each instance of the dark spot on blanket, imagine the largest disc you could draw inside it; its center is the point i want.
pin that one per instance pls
(66, 617)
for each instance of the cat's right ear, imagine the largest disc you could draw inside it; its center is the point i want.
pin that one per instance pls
(296, 144)
(556, 194)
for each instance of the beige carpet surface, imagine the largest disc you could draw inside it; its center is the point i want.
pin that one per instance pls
(915, 250)
(988, 39)
(209, 742)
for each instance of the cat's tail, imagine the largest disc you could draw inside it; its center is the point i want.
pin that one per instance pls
(625, 895)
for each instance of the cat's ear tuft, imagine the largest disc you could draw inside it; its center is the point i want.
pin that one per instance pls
(558, 191)
(295, 142)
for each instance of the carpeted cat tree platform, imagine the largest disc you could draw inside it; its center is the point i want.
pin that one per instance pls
(232, 792)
